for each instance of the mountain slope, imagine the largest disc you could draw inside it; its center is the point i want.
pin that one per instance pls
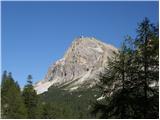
(79, 67)
(73, 104)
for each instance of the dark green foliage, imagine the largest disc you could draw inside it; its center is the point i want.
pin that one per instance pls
(69, 105)
(29, 80)
(11, 100)
(130, 82)
(148, 60)
(48, 111)
(30, 98)
(115, 89)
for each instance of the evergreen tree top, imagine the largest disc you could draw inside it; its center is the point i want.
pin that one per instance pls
(29, 79)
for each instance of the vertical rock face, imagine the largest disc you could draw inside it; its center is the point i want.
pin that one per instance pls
(79, 67)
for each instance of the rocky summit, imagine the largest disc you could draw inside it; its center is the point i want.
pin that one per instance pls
(80, 66)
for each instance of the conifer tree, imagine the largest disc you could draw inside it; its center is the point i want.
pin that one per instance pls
(148, 61)
(130, 82)
(114, 84)
(30, 98)
(48, 111)
(11, 100)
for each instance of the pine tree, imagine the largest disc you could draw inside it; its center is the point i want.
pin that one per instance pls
(11, 100)
(30, 98)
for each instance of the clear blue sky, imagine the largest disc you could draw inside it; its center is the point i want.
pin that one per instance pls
(35, 34)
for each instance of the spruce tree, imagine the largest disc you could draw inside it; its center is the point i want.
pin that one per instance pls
(11, 100)
(148, 61)
(114, 84)
(130, 82)
(30, 98)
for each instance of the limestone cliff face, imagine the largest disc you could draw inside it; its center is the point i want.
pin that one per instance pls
(79, 67)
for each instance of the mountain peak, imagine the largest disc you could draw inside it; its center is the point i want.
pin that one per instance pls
(83, 60)
(84, 39)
